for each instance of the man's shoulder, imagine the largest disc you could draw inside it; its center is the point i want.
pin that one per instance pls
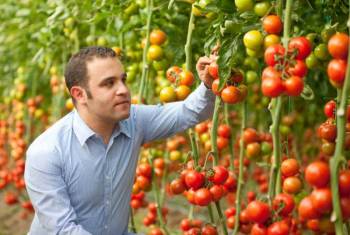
(47, 141)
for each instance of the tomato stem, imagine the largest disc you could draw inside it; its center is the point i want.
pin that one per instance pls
(188, 45)
(133, 226)
(275, 177)
(231, 141)
(339, 158)
(214, 129)
(145, 64)
(211, 215)
(240, 171)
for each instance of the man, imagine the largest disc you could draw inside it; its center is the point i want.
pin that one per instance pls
(79, 172)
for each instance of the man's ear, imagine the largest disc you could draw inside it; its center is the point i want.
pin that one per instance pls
(79, 94)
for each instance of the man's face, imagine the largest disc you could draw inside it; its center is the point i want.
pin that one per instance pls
(110, 97)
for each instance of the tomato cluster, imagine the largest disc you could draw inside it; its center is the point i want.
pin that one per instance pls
(151, 216)
(196, 227)
(203, 187)
(338, 46)
(234, 91)
(286, 69)
(182, 80)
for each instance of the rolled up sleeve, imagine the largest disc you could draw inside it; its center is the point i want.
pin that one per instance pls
(48, 193)
(161, 121)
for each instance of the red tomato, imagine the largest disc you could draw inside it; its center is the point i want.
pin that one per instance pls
(329, 109)
(299, 69)
(290, 167)
(194, 179)
(217, 192)
(224, 131)
(294, 85)
(230, 184)
(173, 73)
(214, 70)
(230, 212)
(327, 131)
(284, 201)
(322, 200)
(345, 207)
(292, 185)
(144, 169)
(258, 229)
(344, 183)
(270, 72)
(185, 224)
(272, 24)
(186, 78)
(274, 54)
(250, 135)
(338, 46)
(272, 87)
(231, 95)
(177, 186)
(221, 142)
(220, 175)
(258, 212)
(215, 87)
(278, 228)
(202, 197)
(306, 210)
(209, 230)
(317, 174)
(302, 45)
(336, 70)
(230, 222)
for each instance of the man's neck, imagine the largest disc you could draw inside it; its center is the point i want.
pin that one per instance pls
(99, 126)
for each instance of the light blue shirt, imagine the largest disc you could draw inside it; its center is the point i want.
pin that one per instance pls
(80, 186)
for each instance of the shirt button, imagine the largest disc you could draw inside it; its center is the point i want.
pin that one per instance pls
(107, 177)
(106, 226)
(107, 202)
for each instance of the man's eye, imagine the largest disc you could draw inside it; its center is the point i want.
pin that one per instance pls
(110, 83)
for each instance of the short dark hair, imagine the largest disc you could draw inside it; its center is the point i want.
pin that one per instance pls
(76, 73)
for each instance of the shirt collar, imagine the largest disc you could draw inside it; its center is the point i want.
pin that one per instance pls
(83, 132)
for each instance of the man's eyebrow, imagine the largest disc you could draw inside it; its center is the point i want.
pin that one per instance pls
(122, 76)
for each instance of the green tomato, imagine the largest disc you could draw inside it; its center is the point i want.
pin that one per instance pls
(261, 8)
(160, 65)
(101, 41)
(327, 33)
(251, 76)
(265, 101)
(244, 5)
(311, 61)
(253, 53)
(251, 63)
(312, 37)
(253, 40)
(266, 148)
(321, 52)
(284, 130)
(131, 76)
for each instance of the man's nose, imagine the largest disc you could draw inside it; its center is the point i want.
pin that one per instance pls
(122, 89)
